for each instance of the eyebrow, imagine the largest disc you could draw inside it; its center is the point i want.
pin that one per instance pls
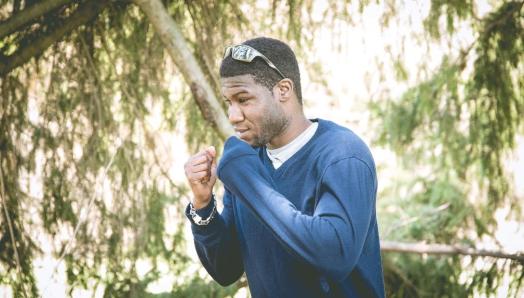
(241, 92)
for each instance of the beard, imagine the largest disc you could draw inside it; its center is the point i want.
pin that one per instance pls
(273, 123)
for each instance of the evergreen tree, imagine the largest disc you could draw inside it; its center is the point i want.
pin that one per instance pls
(81, 163)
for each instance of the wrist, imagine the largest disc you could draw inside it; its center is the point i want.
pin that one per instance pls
(199, 203)
(204, 216)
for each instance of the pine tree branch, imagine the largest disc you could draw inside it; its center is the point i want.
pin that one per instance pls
(444, 249)
(488, 27)
(11, 231)
(182, 56)
(82, 15)
(28, 15)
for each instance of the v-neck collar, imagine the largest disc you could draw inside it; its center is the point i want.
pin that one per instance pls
(282, 169)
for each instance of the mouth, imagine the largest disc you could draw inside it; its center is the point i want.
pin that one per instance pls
(241, 132)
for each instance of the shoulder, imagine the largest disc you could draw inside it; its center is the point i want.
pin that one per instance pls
(335, 143)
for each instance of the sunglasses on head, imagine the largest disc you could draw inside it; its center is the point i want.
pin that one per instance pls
(246, 53)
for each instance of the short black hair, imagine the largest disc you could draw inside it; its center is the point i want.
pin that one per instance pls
(275, 50)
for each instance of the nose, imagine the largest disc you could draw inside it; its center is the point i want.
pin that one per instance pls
(235, 114)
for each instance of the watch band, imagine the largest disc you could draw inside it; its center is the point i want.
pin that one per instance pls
(197, 219)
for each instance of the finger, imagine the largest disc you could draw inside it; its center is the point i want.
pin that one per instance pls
(197, 177)
(200, 168)
(200, 160)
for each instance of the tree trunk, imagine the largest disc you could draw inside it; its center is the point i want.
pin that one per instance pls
(443, 249)
(182, 56)
(82, 15)
(28, 15)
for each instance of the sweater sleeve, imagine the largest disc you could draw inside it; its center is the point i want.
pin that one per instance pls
(332, 238)
(217, 244)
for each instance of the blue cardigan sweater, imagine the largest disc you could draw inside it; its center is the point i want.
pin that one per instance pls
(306, 229)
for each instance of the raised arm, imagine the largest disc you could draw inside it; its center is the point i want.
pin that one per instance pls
(214, 234)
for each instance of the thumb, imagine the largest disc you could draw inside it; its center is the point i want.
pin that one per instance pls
(211, 151)
(213, 177)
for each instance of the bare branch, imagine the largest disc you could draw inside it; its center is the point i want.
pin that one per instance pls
(182, 56)
(82, 15)
(443, 249)
(28, 15)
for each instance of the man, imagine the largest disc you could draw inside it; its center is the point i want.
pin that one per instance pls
(299, 204)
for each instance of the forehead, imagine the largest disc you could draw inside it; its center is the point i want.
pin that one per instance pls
(235, 84)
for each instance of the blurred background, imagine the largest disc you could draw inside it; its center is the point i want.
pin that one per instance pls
(103, 101)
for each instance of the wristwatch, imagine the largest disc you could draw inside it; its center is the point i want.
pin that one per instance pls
(197, 219)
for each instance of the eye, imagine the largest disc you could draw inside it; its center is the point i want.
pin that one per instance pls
(243, 100)
(228, 102)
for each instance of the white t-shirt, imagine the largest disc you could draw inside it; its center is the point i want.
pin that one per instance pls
(279, 156)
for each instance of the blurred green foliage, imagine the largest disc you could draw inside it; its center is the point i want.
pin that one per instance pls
(98, 86)
(453, 132)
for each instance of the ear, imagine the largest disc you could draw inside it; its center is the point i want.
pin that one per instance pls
(284, 89)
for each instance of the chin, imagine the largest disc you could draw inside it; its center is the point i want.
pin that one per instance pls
(250, 141)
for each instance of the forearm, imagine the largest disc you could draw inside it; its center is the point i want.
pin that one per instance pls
(217, 246)
(314, 239)
(331, 239)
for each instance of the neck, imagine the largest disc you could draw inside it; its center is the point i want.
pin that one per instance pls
(296, 126)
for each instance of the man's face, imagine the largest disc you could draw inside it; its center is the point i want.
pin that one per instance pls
(256, 115)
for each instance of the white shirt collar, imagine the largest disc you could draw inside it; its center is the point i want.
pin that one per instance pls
(279, 156)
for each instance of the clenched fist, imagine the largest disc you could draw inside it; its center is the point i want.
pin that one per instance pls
(201, 173)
